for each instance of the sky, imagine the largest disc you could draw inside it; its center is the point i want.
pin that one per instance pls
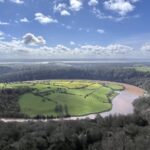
(74, 29)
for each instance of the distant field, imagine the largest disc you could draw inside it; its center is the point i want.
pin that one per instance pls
(142, 68)
(65, 97)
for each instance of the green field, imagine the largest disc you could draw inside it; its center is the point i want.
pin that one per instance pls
(143, 69)
(64, 97)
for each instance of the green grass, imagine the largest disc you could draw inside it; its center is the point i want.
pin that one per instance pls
(115, 86)
(34, 105)
(143, 69)
(76, 97)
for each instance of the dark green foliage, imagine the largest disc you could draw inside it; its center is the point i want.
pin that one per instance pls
(111, 133)
(142, 107)
(110, 72)
(9, 106)
(61, 110)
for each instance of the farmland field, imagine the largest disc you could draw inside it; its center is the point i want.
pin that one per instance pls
(143, 69)
(64, 97)
(140, 68)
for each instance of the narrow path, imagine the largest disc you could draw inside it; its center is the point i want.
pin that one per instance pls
(121, 104)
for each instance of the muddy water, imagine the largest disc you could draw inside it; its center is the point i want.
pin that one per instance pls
(121, 104)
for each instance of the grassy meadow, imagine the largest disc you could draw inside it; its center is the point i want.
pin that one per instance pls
(64, 97)
(143, 69)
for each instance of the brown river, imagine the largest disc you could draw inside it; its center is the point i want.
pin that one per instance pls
(121, 104)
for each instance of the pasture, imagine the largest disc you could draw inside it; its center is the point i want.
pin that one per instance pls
(143, 69)
(64, 97)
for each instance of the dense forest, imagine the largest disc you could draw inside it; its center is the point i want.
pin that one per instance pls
(110, 72)
(9, 106)
(131, 132)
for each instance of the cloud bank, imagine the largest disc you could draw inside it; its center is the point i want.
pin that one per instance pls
(31, 46)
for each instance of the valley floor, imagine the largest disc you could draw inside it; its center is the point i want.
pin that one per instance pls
(121, 104)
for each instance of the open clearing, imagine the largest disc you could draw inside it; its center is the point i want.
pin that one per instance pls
(141, 68)
(65, 97)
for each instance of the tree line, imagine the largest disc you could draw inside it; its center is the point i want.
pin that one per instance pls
(111, 133)
(110, 72)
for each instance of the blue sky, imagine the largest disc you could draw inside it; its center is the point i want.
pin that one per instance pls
(74, 28)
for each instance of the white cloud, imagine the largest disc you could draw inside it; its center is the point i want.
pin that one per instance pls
(101, 15)
(146, 47)
(122, 7)
(1, 33)
(23, 48)
(119, 49)
(24, 20)
(4, 23)
(75, 5)
(72, 43)
(44, 19)
(93, 2)
(31, 39)
(17, 1)
(61, 48)
(14, 1)
(64, 13)
(18, 49)
(133, 1)
(101, 31)
(110, 50)
(62, 9)
(2, 38)
(59, 7)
